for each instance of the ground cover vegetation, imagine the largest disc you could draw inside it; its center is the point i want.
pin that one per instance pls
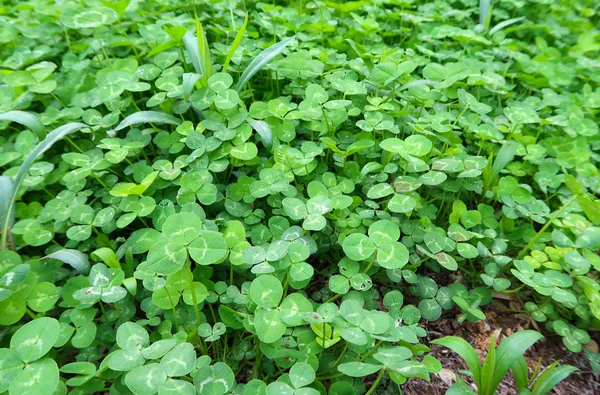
(265, 197)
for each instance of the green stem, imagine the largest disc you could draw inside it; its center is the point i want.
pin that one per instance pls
(369, 265)
(376, 383)
(118, 312)
(30, 313)
(539, 234)
(258, 357)
(103, 312)
(173, 308)
(337, 361)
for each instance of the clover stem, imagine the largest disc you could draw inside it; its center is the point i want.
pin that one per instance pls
(118, 310)
(339, 358)
(194, 301)
(212, 312)
(173, 308)
(371, 351)
(73, 144)
(144, 222)
(103, 312)
(323, 345)
(370, 264)
(100, 182)
(333, 298)
(286, 284)
(460, 115)
(30, 313)
(376, 383)
(258, 357)
(546, 226)
(230, 274)
(333, 376)
(512, 291)
(512, 131)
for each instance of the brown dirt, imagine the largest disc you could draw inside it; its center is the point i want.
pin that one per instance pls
(549, 349)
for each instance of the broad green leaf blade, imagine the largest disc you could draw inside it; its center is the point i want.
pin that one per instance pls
(29, 120)
(146, 117)
(269, 326)
(216, 379)
(487, 369)
(235, 44)
(460, 388)
(266, 291)
(9, 368)
(76, 259)
(261, 60)
(509, 351)
(33, 340)
(180, 360)
(550, 378)
(520, 373)
(358, 369)
(40, 377)
(466, 351)
(302, 374)
(39, 149)
(146, 379)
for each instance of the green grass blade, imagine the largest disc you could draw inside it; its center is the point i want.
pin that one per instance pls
(74, 258)
(39, 149)
(264, 131)
(235, 44)
(504, 24)
(466, 352)
(191, 46)
(146, 117)
(6, 192)
(551, 377)
(504, 156)
(261, 60)
(29, 120)
(161, 48)
(204, 50)
(189, 81)
(485, 9)
(509, 351)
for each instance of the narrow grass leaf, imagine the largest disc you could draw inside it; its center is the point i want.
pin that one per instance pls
(550, 378)
(74, 258)
(261, 60)
(29, 120)
(146, 117)
(161, 48)
(39, 149)
(264, 131)
(6, 192)
(504, 24)
(190, 42)
(204, 50)
(235, 44)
